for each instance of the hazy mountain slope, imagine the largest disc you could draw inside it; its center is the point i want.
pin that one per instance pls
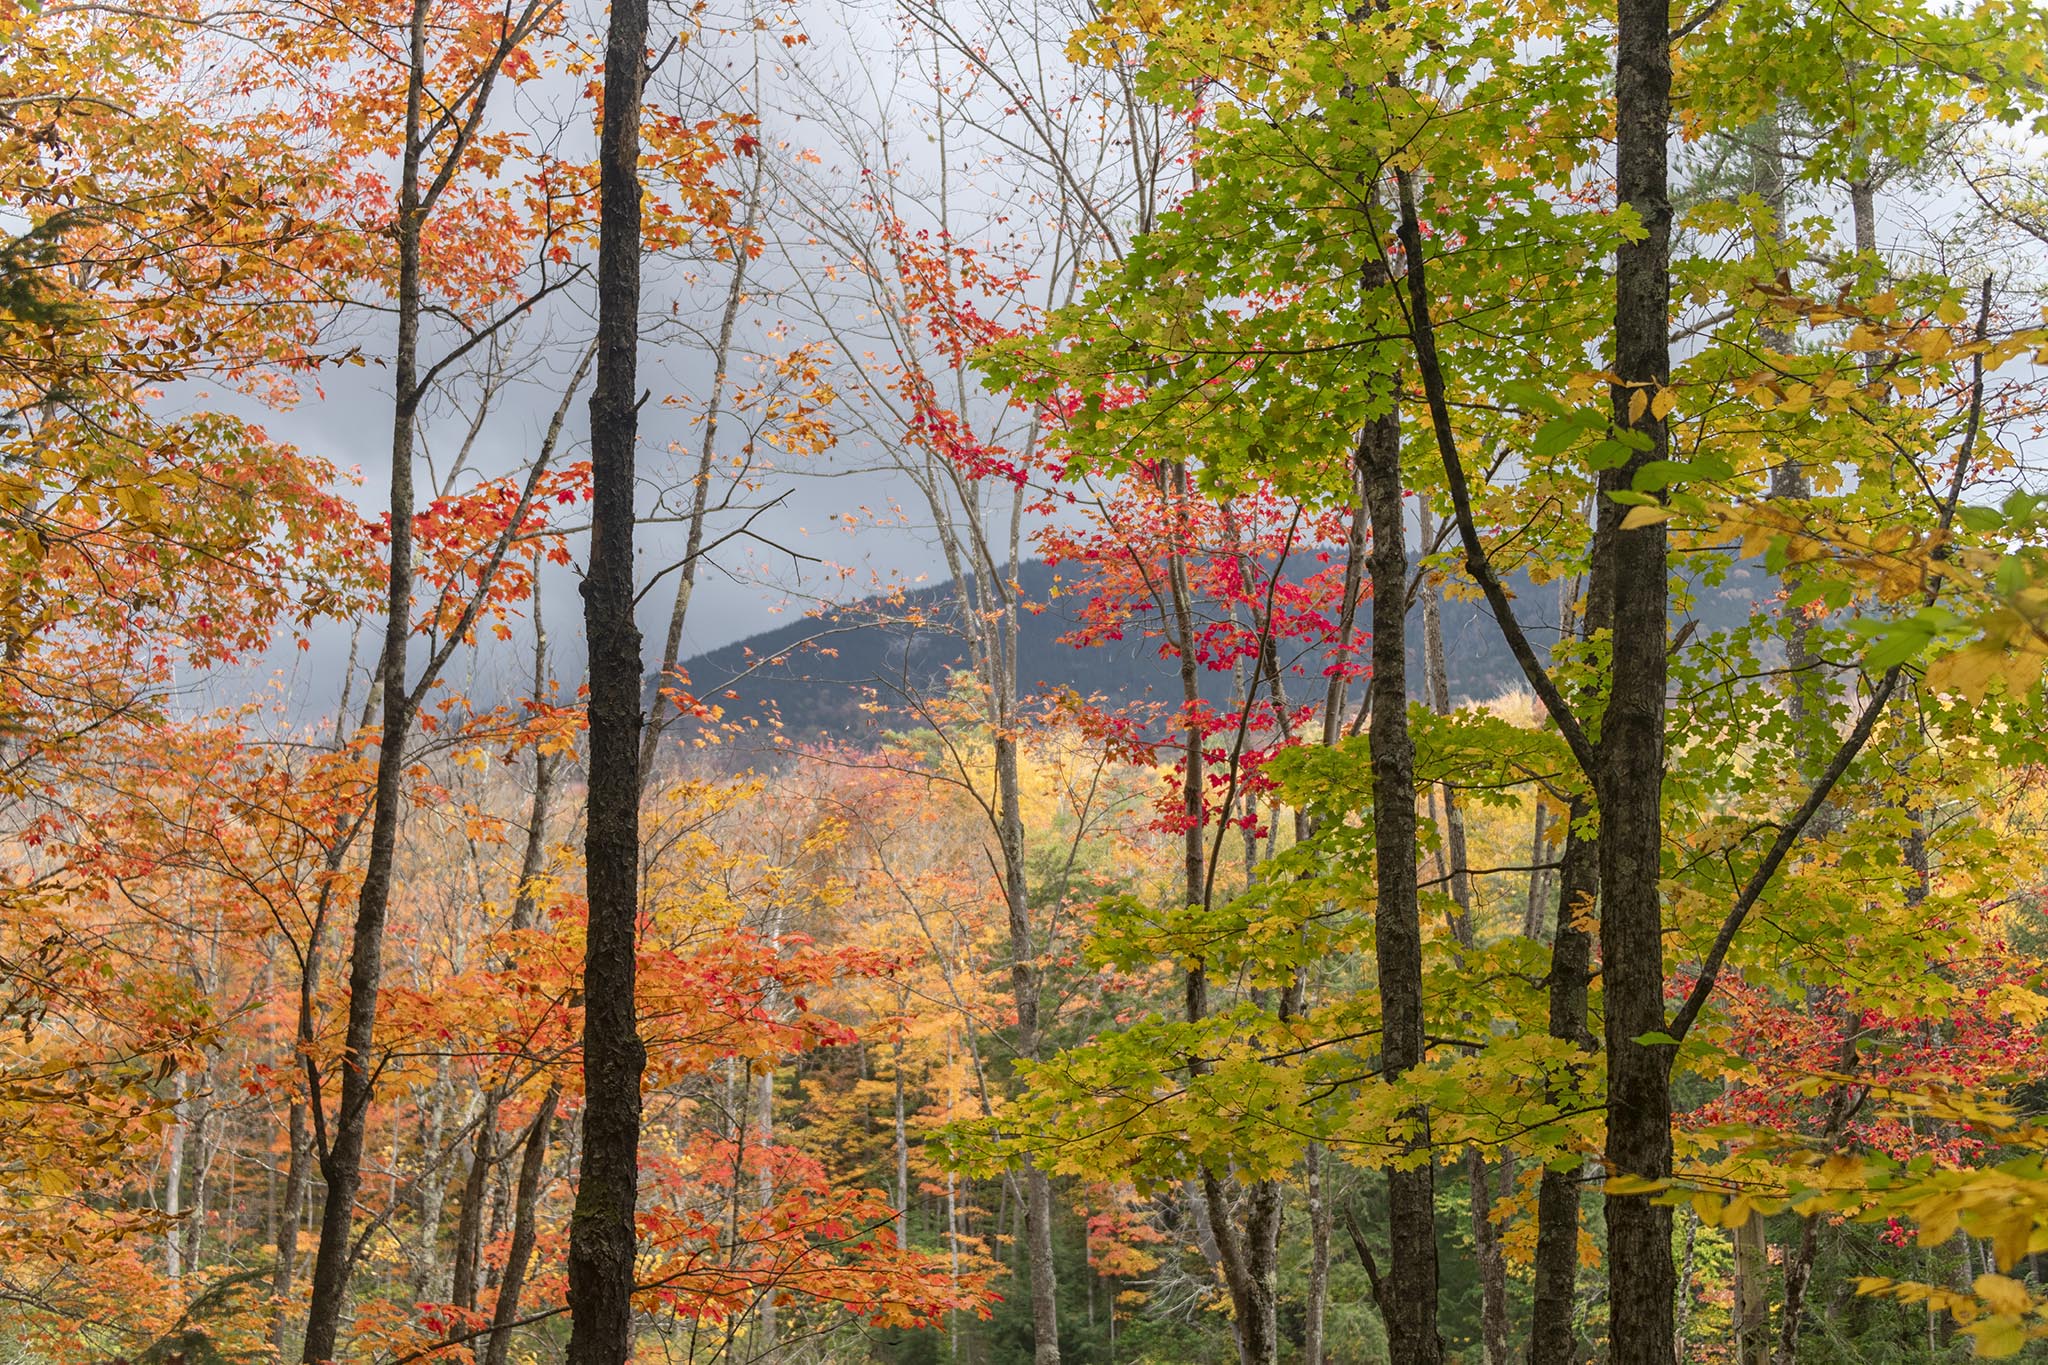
(824, 674)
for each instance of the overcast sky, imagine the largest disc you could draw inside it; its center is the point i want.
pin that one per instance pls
(836, 529)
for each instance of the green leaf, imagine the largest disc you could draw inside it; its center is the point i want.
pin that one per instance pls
(1980, 519)
(1658, 475)
(1557, 436)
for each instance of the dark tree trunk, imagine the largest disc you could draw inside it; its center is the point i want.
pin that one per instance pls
(1410, 1292)
(469, 1221)
(1556, 1271)
(1245, 1257)
(1495, 1330)
(284, 1274)
(299, 1162)
(601, 1236)
(1559, 1194)
(531, 1163)
(1642, 1280)
(1244, 1254)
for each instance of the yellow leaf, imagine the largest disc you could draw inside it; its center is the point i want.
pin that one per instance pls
(1998, 1337)
(2002, 1294)
(1639, 517)
(1971, 670)
(1638, 402)
(1938, 1218)
(2011, 1238)
(1661, 405)
(1933, 344)
(2014, 1001)
(1841, 1169)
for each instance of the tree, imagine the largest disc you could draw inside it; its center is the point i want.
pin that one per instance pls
(938, 296)
(602, 1237)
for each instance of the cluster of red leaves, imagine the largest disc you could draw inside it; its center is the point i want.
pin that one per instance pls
(1256, 618)
(456, 537)
(955, 297)
(1975, 1046)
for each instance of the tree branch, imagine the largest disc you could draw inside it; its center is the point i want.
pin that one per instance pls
(1422, 329)
(1790, 832)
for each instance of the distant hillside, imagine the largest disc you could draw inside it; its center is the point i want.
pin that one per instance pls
(820, 674)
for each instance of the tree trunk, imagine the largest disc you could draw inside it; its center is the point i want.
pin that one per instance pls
(1254, 1303)
(1410, 1298)
(1554, 1298)
(299, 1124)
(202, 1150)
(1205, 1225)
(296, 1161)
(601, 1233)
(902, 1149)
(1799, 1265)
(1752, 1320)
(1641, 1277)
(1436, 674)
(1559, 1193)
(952, 1262)
(700, 492)
(1246, 1255)
(433, 1192)
(1539, 844)
(770, 1352)
(342, 1163)
(1492, 1260)
(1045, 1313)
(531, 1163)
(469, 1222)
(1318, 1297)
(1494, 1328)
(174, 1182)
(1682, 1314)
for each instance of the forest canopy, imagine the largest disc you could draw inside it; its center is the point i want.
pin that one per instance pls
(1430, 746)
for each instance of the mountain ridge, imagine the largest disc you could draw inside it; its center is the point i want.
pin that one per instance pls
(847, 671)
